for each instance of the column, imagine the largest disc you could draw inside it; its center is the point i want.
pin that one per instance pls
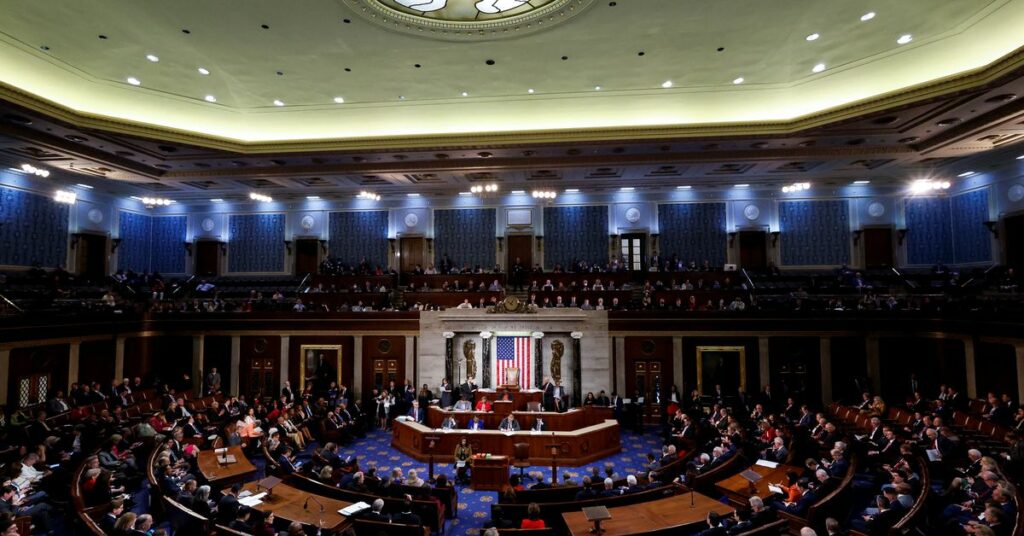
(357, 367)
(73, 352)
(119, 357)
(485, 360)
(969, 370)
(538, 358)
(1018, 348)
(5, 372)
(764, 369)
(198, 358)
(285, 344)
(874, 364)
(620, 366)
(236, 361)
(577, 370)
(677, 364)
(449, 356)
(825, 353)
(410, 362)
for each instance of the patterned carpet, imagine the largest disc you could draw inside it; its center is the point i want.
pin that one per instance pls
(474, 506)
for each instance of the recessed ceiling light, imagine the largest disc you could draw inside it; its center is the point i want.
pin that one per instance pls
(465, 94)
(465, 193)
(86, 186)
(966, 174)
(812, 37)
(597, 88)
(530, 91)
(627, 189)
(518, 192)
(687, 187)
(738, 80)
(867, 16)
(278, 102)
(1021, 157)
(572, 190)
(203, 71)
(741, 186)
(210, 98)
(818, 68)
(216, 200)
(412, 195)
(904, 39)
(152, 57)
(339, 100)
(862, 181)
(666, 84)
(133, 81)
(312, 197)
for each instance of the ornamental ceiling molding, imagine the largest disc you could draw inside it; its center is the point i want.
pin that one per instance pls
(468, 20)
(1009, 66)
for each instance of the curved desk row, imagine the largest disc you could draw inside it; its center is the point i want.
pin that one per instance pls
(575, 448)
(554, 422)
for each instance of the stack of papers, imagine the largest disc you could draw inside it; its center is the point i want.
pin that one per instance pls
(766, 463)
(775, 489)
(253, 500)
(353, 509)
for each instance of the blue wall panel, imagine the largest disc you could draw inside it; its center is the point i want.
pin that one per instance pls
(929, 233)
(136, 232)
(971, 239)
(466, 236)
(575, 234)
(814, 233)
(33, 229)
(256, 243)
(693, 232)
(168, 254)
(358, 235)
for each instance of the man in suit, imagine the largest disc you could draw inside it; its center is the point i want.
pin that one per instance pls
(549, 394)
(467, 389)
(227, 507)
(509, 424)
(285, 460)
(538, 425)
(833, 528)
(476, 423)
(241, 521)
(406, 517)
(778, 451)
(603, 400)
(416, 412)
(376, 512)
(587, 491)
(57, 404)
(287, 393)
(213, 381)
(110, 518)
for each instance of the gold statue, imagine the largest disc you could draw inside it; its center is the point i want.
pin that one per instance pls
(469, 350)
(557, 349)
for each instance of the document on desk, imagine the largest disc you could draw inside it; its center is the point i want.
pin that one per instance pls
(766, 463)
(254, 500)
(775, 489)
(353, 509)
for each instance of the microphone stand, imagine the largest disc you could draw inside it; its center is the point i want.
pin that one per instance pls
(305, 505)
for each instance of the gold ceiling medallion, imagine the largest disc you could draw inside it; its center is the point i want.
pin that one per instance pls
(468, 20)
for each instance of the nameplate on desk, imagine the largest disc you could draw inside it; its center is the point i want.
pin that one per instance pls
(766, 463)
(227, 460)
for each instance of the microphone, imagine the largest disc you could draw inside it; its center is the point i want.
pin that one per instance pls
(305, 505)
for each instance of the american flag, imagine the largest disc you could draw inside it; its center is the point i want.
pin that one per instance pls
(514, 352)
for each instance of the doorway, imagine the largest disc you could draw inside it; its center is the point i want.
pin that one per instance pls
(634, 251)
(207, 258)
(384, 371)
(262, 376)
(307, 256)
(753, 250)
(91, 256)
(647, 385)
(878, 250)
(411, 253)
(519, 247)
(1013, 228)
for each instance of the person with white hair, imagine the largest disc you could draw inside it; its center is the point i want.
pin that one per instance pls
(631, 485)
(414, 480)
(808, 531)
(609, 488)
(376, 512)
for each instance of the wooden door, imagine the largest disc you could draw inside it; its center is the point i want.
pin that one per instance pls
(91, 256)
(307, 256)
(383, 371)
(753, 250)
(411, 250)
(1013, 228)
(648, 383)
(878, 250)
(519, 247)
(261, 377)
(633, 251)
(207, 258)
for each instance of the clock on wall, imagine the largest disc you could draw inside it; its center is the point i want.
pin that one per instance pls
(207, 224)
(95, 215)
(307, 222)
(411, 220)
(876, 209)
(751, 212)
(1015, 193)
(632, 214)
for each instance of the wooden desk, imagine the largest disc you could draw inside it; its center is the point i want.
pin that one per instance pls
(555, 422)
(489, 474)
(577, 448)
(519, 399)
(671, 513)
(290, 504)
(220, 475)
(737, 488)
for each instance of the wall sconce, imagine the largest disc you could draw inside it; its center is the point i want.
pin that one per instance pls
(430, 247)
(188, 247)
(775, 238)
(224, 248)
(501, 244)
(114, 244)
(993, 227)
(654, 243)
(288, 246)
(74, 241)
(901, 234)
(540, 243)
(323, 246)
(856, 236)
(732, 239)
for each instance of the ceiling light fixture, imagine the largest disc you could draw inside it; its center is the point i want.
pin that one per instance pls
(518, 192)
(572, 190)
(544, 194)
(965, 174)
(155, 201)
(1021, 157)
(812, 37)
(370, 196)
(465, 193)
(260, 197)
(133, 81)
(741, 186)
(738, 81)
(339, 100)
(921, 186)
(86, 186)
(685, 187)
(867, 16)
(28, 168)
(210, 98)
(412, 195)
(216, 200)
(627, 189)
(278, 102)
(64, 196)
(666, 84)
(465, 94)
(312, 197)
(904, 39)
(597, 88)
(480, 189)
(152, 57)
(530, 91)
(862, 181)
(203, 71)
(818, 68)
(796, 187)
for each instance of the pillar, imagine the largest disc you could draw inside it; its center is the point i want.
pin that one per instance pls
(619, 355)
(577, 371)
(677, 363)
(73, 352)
(538, 359)
(825, 353)
(1018, 349)
(486, 361)
(198, 366)
(410, 361)
(969, 370)
(5, 372)
(449, 357)
(236, 361)
(357, 367)
(874, 365)
(119, 357)
(285, 344)
(764, 369)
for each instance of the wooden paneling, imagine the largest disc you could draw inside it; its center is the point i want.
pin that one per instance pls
(217, 353)
(995, 369)
(935, 361)
(795, 366)
(878, 250)
(849, 366)
(96, 361)
(51, 359)
(690, 344)
(160, 359)
(412, 253)
(383, 347)
(521, 247)
(260, 349)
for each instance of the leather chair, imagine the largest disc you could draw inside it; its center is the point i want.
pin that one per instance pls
(521, 458)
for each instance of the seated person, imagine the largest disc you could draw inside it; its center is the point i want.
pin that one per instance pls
(449, 423)
(476, 423)
(533, 520)
(538, 425)
(505, 396)
(287, 461)
(509, 424)
(483, 404)
(463, 405)
(417, 413)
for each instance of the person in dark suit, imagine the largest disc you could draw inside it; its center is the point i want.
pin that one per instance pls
(416, 412)
(509, 424)
(227, 507)
(467, 389)
(406, 517)
(107, 521)
(376, 513)
(286, 461)
(587, 491)
(538, 425)
(549, 394)
(241, 521)
(476, 423)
